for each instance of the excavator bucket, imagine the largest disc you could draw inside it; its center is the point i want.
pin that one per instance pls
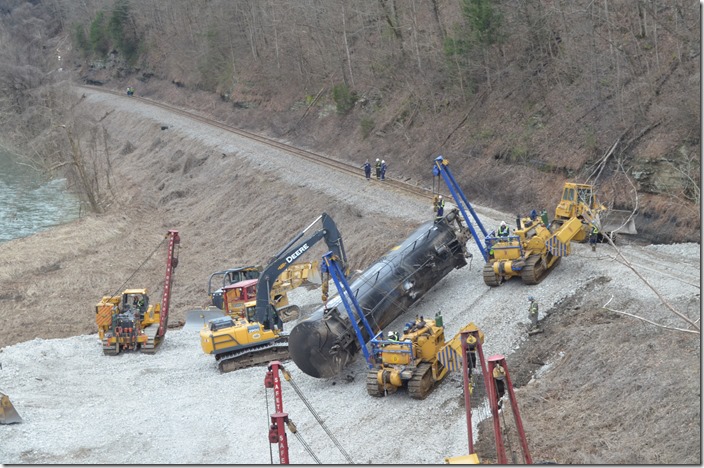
(618, 221)
(8, 413)
(195, 319)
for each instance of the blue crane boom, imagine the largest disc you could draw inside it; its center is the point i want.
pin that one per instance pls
(441, 168)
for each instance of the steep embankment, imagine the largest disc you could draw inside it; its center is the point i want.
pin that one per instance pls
(235, 202)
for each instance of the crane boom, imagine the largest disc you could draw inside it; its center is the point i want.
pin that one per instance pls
(441, 168)
(171, 264)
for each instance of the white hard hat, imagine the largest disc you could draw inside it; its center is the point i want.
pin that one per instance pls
(383, 160)
(377, 159)
(439, 196)
(390, 333)
(503, 223)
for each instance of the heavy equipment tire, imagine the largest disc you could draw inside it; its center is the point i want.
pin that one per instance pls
(491, 278)
(422, 382)
(373, 387)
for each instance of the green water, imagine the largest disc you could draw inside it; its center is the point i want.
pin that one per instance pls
(30, 203)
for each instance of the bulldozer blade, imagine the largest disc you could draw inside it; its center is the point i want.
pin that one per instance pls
(618, 221)
(8, 413)
(195, 319)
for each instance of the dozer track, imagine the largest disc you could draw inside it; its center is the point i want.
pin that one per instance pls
(373, 387)
(422, 382)
(491, 278)
(276, 350)
(534, 272)
(110, 350)
(152, 342)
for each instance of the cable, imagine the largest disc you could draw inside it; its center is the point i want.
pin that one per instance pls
(289, 379)
(139, 267)
(303, 442)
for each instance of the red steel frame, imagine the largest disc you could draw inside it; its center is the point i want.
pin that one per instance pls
(277, 430)
(490, 385)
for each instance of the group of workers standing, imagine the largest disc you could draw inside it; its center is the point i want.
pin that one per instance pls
(379, 168)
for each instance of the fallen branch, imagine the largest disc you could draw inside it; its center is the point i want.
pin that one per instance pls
(625, 262)
(696, 332)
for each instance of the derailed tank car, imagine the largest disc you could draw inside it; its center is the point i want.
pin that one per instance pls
(323, 344)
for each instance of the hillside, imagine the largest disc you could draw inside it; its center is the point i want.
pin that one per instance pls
(521, 96)
(595, 387)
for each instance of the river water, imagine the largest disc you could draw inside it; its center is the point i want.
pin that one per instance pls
(30, 203)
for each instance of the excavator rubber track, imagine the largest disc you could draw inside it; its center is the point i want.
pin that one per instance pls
(422, 382)
(276, 350)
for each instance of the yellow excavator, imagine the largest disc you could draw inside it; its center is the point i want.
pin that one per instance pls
(417, 360)
(256, 337)
(8, 413)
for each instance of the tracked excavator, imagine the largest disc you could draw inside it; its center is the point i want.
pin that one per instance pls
(128, 321)
(258, 337)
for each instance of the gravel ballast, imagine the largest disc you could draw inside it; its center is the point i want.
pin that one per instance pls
(174, 407)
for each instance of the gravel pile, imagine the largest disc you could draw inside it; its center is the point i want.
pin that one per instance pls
(174, 407)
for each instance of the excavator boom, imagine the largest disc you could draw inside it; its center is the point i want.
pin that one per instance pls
(257, 338)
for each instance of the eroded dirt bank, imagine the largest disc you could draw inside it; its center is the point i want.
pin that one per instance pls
(605, 389)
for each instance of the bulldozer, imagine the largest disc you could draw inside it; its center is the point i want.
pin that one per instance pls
(128, 321)
(418, 360)
(580, 201)
(246, 291)
(531, 252)
(8, 413)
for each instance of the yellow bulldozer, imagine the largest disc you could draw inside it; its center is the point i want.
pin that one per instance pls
(580, 201)
(417, 360)
(531, 252)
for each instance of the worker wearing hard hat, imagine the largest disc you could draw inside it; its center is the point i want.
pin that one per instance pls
(383, 170)
(439, 207)
(533, 313)
(503, 230)
(392, 336)
(377, 166)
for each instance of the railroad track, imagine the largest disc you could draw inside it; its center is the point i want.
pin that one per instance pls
(301, 153)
